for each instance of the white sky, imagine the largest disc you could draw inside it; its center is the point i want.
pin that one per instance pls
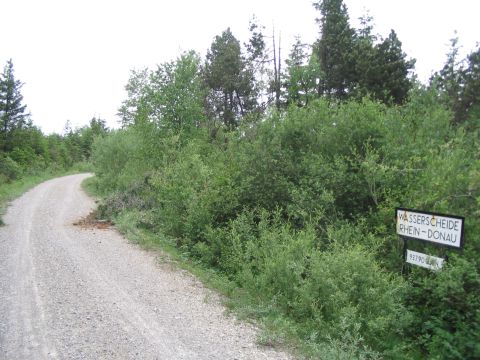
(75, 57)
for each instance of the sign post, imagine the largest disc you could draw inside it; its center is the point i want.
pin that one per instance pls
(438, 229)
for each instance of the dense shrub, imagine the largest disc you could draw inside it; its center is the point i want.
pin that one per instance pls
(298, 210)
(117, 160)
(9, 169)
(447, 311)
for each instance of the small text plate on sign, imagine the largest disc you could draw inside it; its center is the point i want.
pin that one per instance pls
(446, 230)
(424, 260)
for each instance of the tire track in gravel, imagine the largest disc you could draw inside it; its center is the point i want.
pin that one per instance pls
(72, 293)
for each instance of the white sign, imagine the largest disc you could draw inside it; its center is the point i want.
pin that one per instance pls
(423, 260)
(441, 229)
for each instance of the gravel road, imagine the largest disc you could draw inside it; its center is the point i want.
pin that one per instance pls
(72, 293)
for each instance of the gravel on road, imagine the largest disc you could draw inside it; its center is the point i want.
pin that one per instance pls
(70, 292)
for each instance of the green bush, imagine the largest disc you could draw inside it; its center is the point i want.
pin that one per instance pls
(298, 211)
(9, 169)
(447, 311)
(117, 160)
(322, 290)
(347, 286)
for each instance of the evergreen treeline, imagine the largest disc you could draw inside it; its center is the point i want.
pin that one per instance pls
(24, 149)
(286, 182)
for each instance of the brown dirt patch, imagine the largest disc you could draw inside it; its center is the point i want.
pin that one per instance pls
(91, 222)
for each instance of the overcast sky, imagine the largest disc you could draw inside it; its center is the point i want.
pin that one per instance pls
(75, 57)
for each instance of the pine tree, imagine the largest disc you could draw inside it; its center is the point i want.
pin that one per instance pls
(393, 69)
(471, 93)
(334, 49)
(352, 65)
(459, 84)
(365, 55)
(12, 112)
(231, 85)
(382, 71)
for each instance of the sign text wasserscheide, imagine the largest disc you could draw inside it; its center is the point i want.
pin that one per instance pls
(442, 229)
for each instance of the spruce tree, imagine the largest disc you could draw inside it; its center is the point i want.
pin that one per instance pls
(471, 91)
(334, 49)
(12, 111)
(459, 84)
(393, 82)
(382, 70)
(231, 85)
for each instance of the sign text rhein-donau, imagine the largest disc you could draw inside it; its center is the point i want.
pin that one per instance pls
(441, 229)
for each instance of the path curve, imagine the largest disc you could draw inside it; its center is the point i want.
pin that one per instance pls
(73, 293)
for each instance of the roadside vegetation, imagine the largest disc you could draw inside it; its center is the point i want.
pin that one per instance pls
(284, 183)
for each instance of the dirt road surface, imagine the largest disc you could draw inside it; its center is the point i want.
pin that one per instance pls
(67, 292)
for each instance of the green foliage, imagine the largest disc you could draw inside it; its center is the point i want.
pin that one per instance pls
(459, 84)
(9, 169)
(352, 63)
(12, 111)
(446, 305)
(134, 107)
(229, 80)
(177, 93)
(297, 211)
(334, 48)
(117, 160)
(303, 71)
(172, 97)
(382, 70)
(331, 293)
(26, 153)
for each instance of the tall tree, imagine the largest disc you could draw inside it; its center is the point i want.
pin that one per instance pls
(171, 97)
(334, 49)
(459, 83)
(256, 60)
(12, 111)
(178, 93)
(302, 75)
(393, 81)
(231, 86)
(352, 64)
(382, 70)
(365, 55)
(256, 44)
(134, 106)
(471, 93)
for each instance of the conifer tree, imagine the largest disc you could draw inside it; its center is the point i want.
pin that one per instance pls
(471, 93)
(459, 83)
(352, 64)
(334, 49)
(12, 111)
(231, 87)
(393, 71)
